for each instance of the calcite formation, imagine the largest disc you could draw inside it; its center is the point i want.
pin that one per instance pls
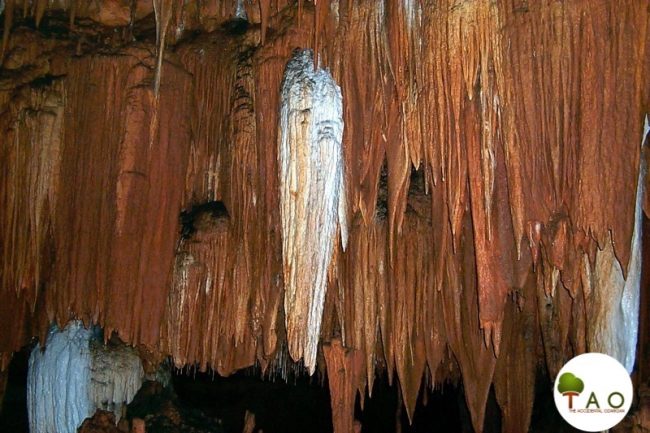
(58, 385)
(312, 197)
(488, 176)
(74, 375)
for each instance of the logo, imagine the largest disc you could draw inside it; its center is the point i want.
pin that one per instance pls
(593, 392)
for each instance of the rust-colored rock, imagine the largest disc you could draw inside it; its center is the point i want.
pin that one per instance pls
(491, 154)
(344, 371)
(516, 368)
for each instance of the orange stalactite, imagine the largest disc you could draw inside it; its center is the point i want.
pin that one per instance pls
(362, 278)
(265, 6)
(344, 372)
(464, 336)
(515, 372)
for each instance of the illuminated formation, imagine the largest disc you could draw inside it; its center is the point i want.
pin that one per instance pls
(74, 375)
(427, 191)
(312, 197)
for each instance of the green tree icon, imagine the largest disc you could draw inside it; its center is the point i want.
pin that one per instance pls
(570, 386)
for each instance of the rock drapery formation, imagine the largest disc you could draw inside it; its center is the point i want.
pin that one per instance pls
(60, 377)
(490, 158)
(73, 376)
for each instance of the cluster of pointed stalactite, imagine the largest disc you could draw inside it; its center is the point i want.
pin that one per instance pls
(490, 148)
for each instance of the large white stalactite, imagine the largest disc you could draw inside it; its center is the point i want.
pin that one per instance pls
(312, 196)
(614, 322)
(74, 376)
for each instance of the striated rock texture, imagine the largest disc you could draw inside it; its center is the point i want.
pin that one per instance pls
(490, 172)
(116, 374)
(344, 373)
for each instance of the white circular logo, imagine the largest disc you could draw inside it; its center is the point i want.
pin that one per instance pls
(593, 392)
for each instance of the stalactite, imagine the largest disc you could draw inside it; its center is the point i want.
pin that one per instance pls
(516, 367)
(143, 185)
(613, 319)
(557, 132)
(365, 80)
(404, 142)
(409, 291)
(33, 165)
(163, 12)
(217, 330)
(110, 171)
(270, 63)
(480, 123)
(312, 194)
(116, 375)
(554, 313)
(73, 375)
(265, 6)
(344, 368)
(188, 292)
(460, 303)
(362, 278)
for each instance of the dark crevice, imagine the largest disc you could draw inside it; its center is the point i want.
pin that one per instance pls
(235, 27)
(381, 208)
(13, 411)
(302, 405)
(418, 202)
(191, 219)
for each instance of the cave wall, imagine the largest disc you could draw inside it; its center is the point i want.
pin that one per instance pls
(492, 152)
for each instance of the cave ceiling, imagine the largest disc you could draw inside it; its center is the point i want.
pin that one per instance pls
(487, 193)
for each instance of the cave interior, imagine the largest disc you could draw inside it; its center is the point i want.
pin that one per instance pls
(327, 216)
